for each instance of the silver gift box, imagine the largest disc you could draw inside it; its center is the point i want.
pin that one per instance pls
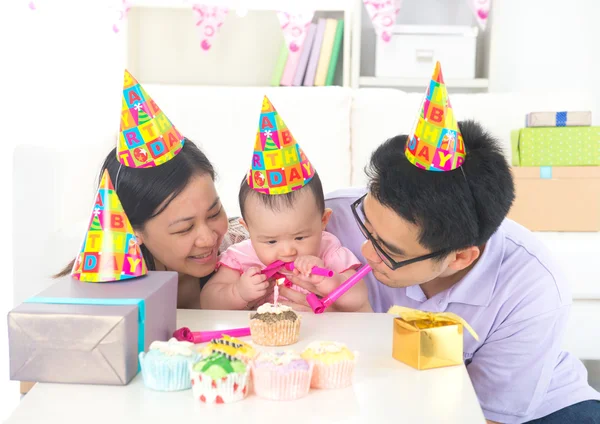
(90, 333)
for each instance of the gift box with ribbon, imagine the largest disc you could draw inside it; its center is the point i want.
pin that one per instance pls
(427, 340)
(77, 332)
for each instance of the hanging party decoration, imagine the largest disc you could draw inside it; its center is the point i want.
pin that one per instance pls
(208, 19)
(481, 10)
(121, 15)
(295, 27)
(383, 15)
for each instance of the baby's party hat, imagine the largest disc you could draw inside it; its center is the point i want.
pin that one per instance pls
(436, 144)
(279, 165)
(110, 251)
(147, 136)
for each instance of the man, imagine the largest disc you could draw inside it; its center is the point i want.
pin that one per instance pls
(439, 241)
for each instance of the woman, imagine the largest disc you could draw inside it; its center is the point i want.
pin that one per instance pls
(177, 217)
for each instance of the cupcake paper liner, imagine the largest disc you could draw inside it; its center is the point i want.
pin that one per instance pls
(332, 376)
(166, 374)
(280, 333)
(276, 384)
(228, 389)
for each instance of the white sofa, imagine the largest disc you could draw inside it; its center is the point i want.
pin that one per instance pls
(338, 128)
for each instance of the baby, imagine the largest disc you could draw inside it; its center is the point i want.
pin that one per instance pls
(283, 209)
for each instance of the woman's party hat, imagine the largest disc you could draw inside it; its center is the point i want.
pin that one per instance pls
(147, 136)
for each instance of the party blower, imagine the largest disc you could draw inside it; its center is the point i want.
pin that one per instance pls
(184, 334)
(275, 266)
(319, 305)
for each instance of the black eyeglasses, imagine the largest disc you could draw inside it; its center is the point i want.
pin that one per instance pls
(392, 264)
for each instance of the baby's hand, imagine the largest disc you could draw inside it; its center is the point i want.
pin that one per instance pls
(303, 266)
(252, 284)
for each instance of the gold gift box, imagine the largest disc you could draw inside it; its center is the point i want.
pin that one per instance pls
(426, 340)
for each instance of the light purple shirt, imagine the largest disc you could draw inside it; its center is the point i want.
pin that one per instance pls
(518, 302)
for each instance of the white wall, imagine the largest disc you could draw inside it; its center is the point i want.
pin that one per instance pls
(61, 84)
(545, 45)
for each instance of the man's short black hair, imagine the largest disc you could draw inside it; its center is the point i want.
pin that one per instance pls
(279, 201)
(455, 209)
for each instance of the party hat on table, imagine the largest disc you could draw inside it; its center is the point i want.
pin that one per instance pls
(147, 136)
(279, 165)
(436, 144)
(110, 251)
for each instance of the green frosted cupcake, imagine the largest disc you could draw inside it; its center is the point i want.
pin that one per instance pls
(220, 378)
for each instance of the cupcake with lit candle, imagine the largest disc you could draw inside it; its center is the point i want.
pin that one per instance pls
(333, 364)
(274, 325)
(281, 375)
(165, 367)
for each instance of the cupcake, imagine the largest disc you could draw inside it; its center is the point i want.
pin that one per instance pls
(166, 365)
(232, 347)
(281, 375)
(220, 378)
(274, 325)
(333, 364)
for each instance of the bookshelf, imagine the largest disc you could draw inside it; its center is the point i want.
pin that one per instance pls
(146, 13)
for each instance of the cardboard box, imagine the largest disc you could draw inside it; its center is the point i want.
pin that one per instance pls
(90, 333)
(557, 198)
(558, 119)
(559, 146)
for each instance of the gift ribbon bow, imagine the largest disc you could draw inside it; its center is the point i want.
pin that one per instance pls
(409, 314)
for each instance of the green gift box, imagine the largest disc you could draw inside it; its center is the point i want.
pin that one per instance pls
(556, 146)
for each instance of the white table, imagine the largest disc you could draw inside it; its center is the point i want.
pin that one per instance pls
(384, 389)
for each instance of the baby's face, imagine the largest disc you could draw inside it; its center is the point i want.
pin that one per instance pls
(288, 233)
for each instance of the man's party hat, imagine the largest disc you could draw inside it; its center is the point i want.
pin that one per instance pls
(436, 144)
(110, 251)
(279, 165)
(147, 136)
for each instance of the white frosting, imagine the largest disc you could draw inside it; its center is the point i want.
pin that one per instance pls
(326, 347)
(269, 308)
(279, 358)
(173, 347)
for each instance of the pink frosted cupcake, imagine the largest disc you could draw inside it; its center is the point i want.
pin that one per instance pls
(333, 364)
(281, 375)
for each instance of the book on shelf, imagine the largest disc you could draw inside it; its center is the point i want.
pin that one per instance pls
(313, 61)
(335, 53)
(325, 53)
(304, 56)
(280, 65)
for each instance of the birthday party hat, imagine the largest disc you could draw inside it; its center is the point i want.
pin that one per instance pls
(279, 165)
(436, 144)
(147, 136)
(110, 251)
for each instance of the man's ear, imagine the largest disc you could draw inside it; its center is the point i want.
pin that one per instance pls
(464, 258)
(325, 218)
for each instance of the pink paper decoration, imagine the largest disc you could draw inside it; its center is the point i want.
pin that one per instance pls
(481, 10)
(383, 15)
(121, 15)
(295, 27)
(208, 19)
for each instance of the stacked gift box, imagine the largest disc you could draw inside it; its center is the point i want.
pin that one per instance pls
(556, 166)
